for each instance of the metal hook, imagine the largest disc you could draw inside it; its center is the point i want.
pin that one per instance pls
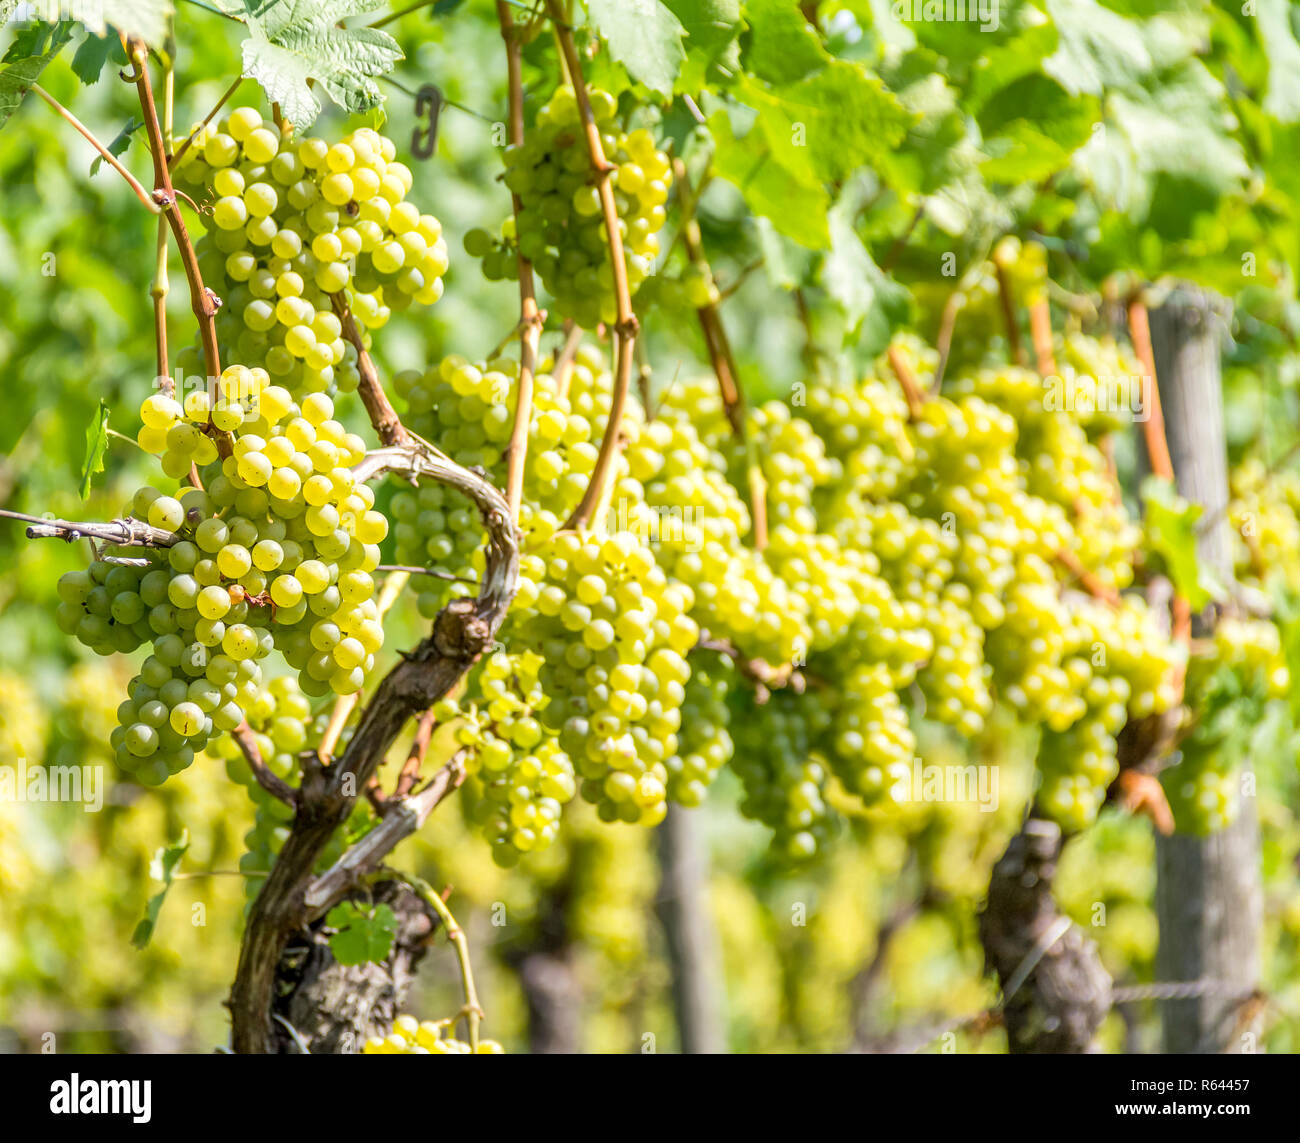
(428, 102)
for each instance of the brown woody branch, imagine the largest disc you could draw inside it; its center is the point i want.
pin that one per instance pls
(461, 632)
(530, 317)
(271, 783)
(203, 301)
(387, 424)
(122, 533)
(403, 816)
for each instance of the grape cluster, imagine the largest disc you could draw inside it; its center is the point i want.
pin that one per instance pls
(274, 550)
(523, 776)
(561, 224)
(412, 1037)
(785, 778)
(704, 744)
(297, 224)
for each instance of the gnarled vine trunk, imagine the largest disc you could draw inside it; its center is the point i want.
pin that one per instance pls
(1055, 990)
(334, 1008)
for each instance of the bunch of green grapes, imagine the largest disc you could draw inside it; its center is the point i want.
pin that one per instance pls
(1241, 671)
(412, 1037)
(784, 777)
(275, 550)
(704, 743)
(561, 224)
(614, 633)
(522, 778)
(1265, 514)
(468, 410)
(297, 223)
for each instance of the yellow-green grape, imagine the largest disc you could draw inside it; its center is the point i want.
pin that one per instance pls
(785, 780)
(523, 777)
(412, 1037)
(298, 223)
(561, 226)
(704, 742)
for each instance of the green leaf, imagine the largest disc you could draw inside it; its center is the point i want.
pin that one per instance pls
(362, 937)
(294, 42)
(93, 53)
(850, 275)
(1171, 533)
(142, 19)
(96, 444)
(1003, 64)
(783, 47)
(712, 29)
(1282, 100)
(118, 143)
(32, 49)
(795, 207)
(162, 868)
(1098, 49)
(1032, 127)
(645, 37)
(830, 125)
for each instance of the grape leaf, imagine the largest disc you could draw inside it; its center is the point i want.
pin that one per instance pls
(362, 937)
(796, 208)
(645, 37)
(1172, 533)
(295, 43)
(712, 28)
(1098, 49)
(33, 48)
(1283, 97)
(96, 444)
(850, 275)
(141, 19)
(93, 53)
(162, 868)
(783, 47)
(833, 123)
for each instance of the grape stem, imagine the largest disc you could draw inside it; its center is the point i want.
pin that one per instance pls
(761, 673)
(387, 424)
(1040, 329)
(1006, 297)
(530, 317)
(721, 358)
(410, 773)
(1157, 446)
(625, 326)
(564, 360)
(472, 1012)
(189, 139)
(143, 195)
(912, 392)
(1090, 583)
(203, 301)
